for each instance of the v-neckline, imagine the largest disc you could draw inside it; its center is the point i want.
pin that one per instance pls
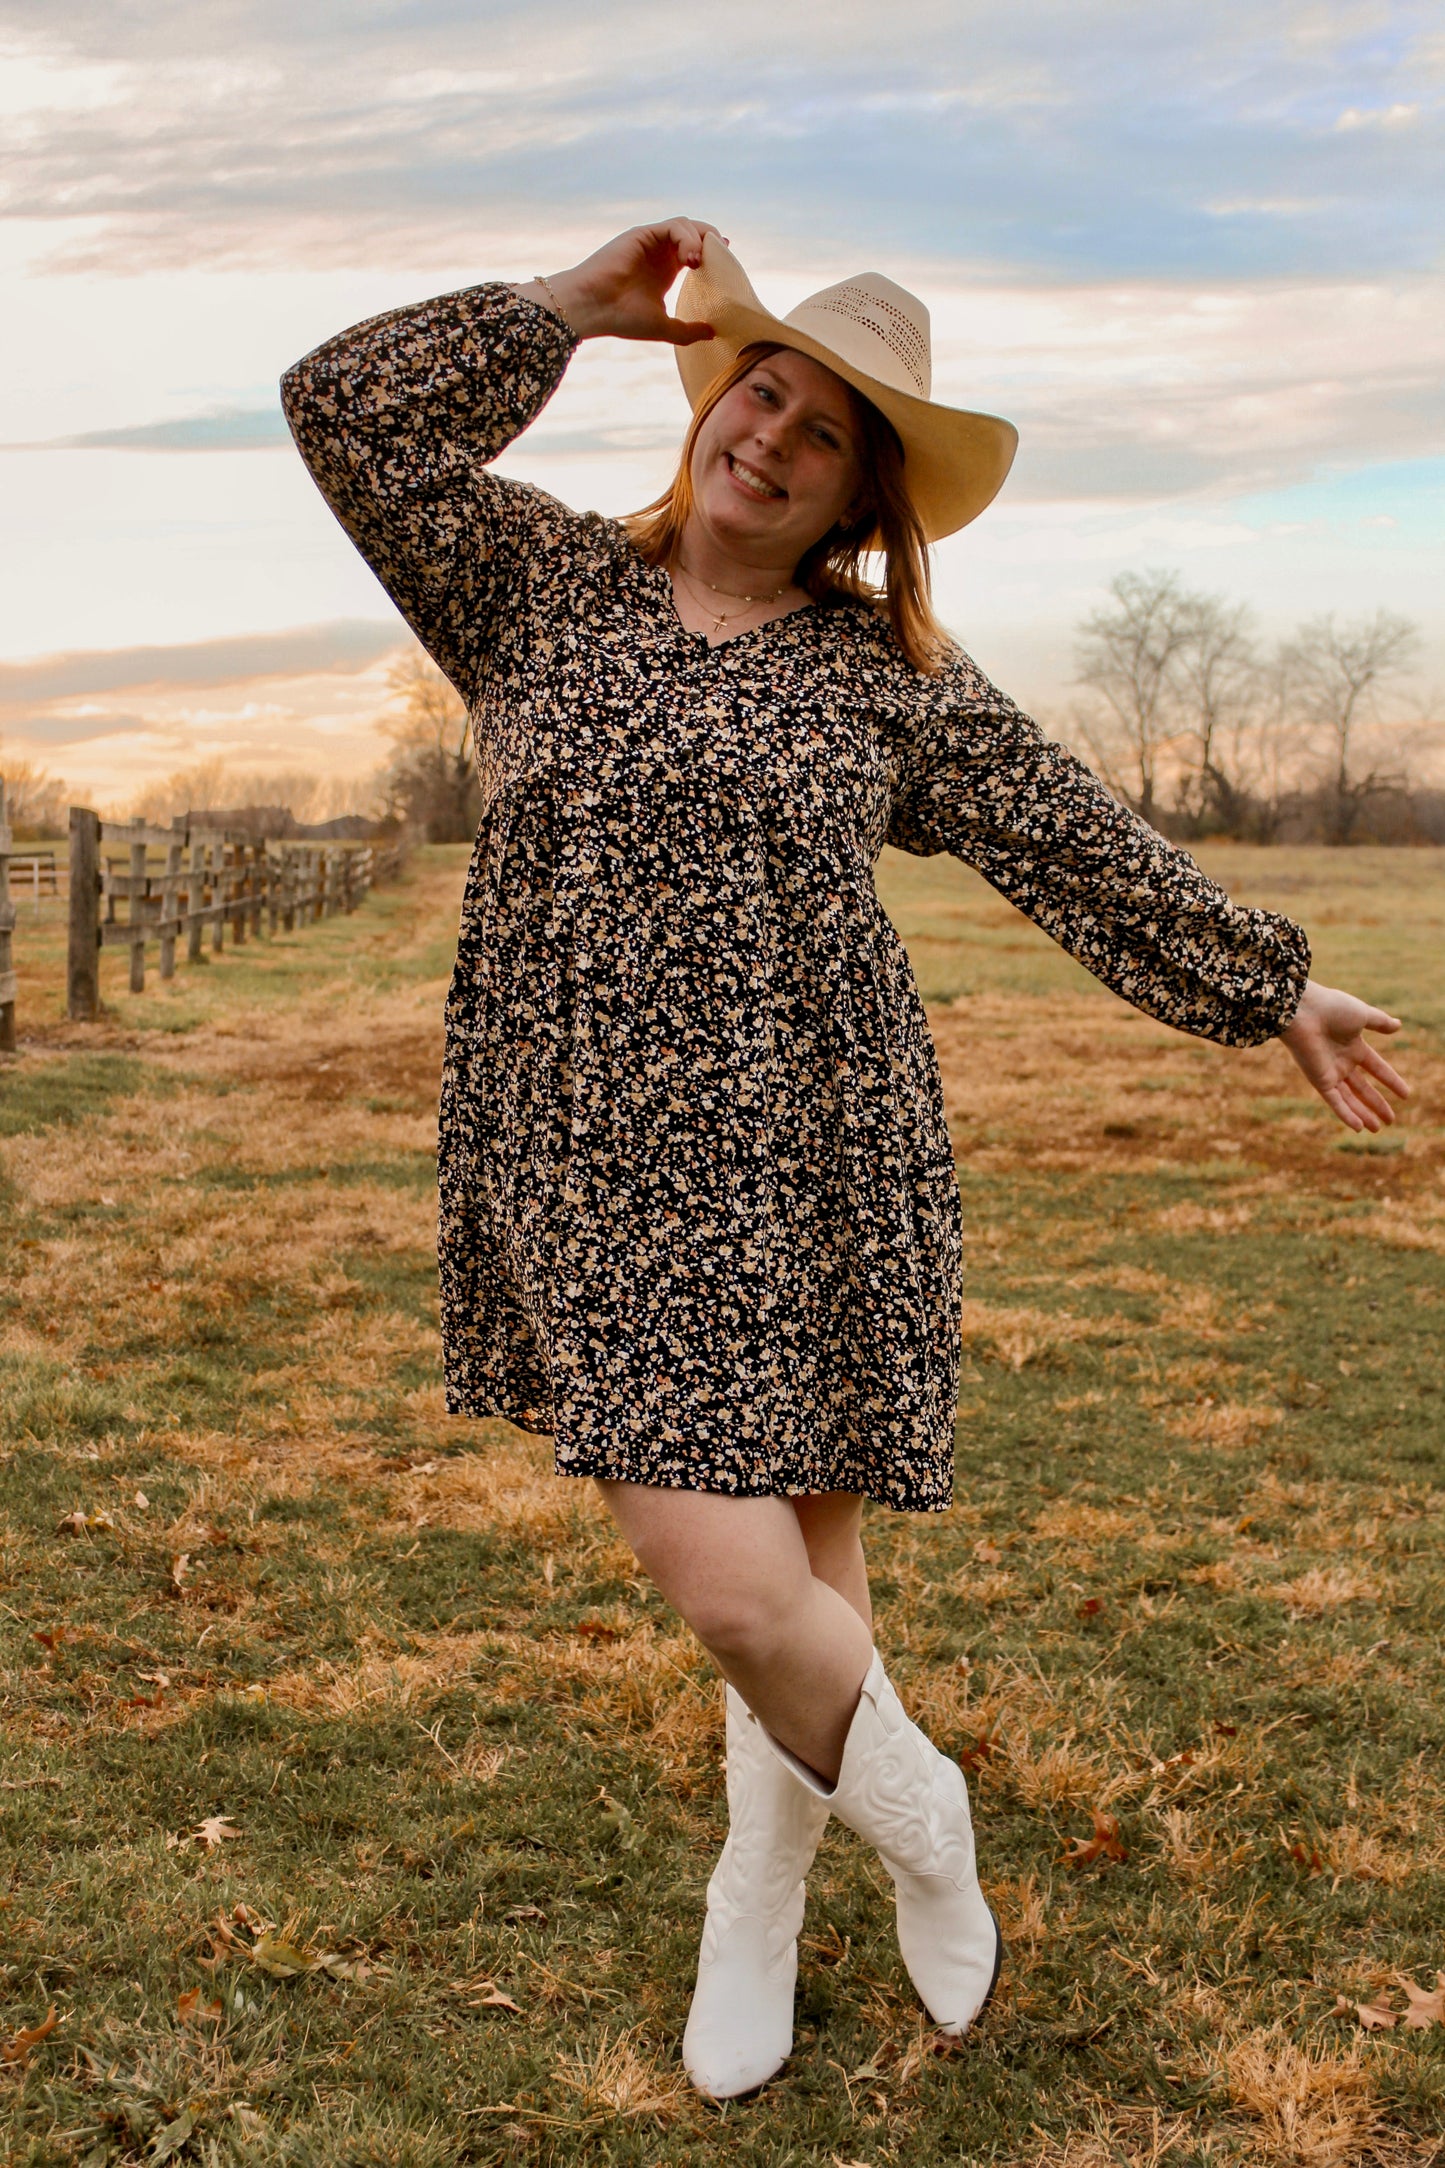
(669, 601)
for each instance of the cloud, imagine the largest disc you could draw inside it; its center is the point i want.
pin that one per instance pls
(79, 729)
(224, 429)
(1066, 139)
(345, 646)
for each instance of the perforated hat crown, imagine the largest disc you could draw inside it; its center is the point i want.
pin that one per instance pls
(876, 336)
(880, 328)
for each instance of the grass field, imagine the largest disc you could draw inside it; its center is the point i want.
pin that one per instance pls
(359, 1799)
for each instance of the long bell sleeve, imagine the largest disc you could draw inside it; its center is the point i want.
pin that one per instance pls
(397, 419)
(978, 779)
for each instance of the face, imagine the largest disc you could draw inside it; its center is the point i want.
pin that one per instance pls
(776, 463)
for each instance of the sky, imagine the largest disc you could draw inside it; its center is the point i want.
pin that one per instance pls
(1194, 253)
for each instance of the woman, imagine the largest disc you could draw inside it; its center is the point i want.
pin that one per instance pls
(699, 1216)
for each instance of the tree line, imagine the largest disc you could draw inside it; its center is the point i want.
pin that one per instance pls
(1184, 713)
(1203, 730)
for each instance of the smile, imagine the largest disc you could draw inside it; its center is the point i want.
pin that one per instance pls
(757, 484)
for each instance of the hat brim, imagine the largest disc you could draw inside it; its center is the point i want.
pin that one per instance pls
(955, 462)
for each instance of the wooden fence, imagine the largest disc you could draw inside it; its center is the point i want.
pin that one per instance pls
(180, 882)
(7, 921)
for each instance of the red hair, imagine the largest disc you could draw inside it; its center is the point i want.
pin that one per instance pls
(832, 570)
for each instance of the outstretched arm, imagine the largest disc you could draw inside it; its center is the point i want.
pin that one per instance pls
(1326, 1038)
(979, 778)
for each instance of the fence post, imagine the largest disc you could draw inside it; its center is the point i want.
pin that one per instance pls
(195, 902)
(139, 913)
(170, 904)
(220, 893)
(82, 970)
(7, 920)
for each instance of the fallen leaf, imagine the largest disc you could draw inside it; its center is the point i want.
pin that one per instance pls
(596, 1629)
(987, 1554)
(1427, 2006)
(1104, 1844)
(526, 1912)
(282, 1959)
(79, 1522)
(1371, 2015)
(162, 1679)
(17, 2051)
(356, 1967)
(213, 1829)
(180, 1567)
(140, 1499)
(972, 1757)
(223, 1942)
(1090, 1607)
(496, 2000)
(1226, 1731)
(1307, 1857)
(52, 1637)
(192, 2010)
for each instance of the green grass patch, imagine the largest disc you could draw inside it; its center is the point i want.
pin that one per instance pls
(448, 1743)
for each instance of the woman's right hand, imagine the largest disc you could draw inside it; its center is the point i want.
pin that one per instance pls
(620, 291)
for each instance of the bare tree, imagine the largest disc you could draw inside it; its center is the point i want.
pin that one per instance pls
(1336, 675)
(216, 785)
(1129, 656)
(35, 800)
(1218, 687)
(430, 779)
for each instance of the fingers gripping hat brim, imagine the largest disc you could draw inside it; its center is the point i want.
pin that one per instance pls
(954, 462)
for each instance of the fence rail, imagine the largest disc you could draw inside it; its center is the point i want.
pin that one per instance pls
(133, 885)
(208, 879)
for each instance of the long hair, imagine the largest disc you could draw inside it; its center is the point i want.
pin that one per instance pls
(832, 570)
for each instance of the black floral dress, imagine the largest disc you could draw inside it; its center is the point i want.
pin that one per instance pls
(699, 1219)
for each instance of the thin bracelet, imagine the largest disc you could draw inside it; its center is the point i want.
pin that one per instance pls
(546, 285)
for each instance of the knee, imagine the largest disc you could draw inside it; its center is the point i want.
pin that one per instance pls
(741, 1625)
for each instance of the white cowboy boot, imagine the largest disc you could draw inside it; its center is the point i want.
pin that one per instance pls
(911, 1803)
(740, 2027)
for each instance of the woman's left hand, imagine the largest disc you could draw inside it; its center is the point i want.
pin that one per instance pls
(1326, 1038)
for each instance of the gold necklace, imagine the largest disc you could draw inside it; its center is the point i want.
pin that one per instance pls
(722, 618)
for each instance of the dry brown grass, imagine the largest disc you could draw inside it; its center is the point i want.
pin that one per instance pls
(1309, 2108)
(621, 2076)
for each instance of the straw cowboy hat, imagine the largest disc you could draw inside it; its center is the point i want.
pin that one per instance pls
(875, 336)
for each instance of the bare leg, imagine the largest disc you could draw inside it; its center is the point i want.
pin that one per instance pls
(832, 1523)
(738, 1570)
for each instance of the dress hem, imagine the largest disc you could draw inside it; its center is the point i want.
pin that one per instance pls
(483, 1412)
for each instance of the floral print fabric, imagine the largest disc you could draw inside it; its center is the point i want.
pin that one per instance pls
(699, 1219)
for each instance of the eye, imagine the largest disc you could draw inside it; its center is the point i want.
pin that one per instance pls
(826, 436)
(765, 391)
